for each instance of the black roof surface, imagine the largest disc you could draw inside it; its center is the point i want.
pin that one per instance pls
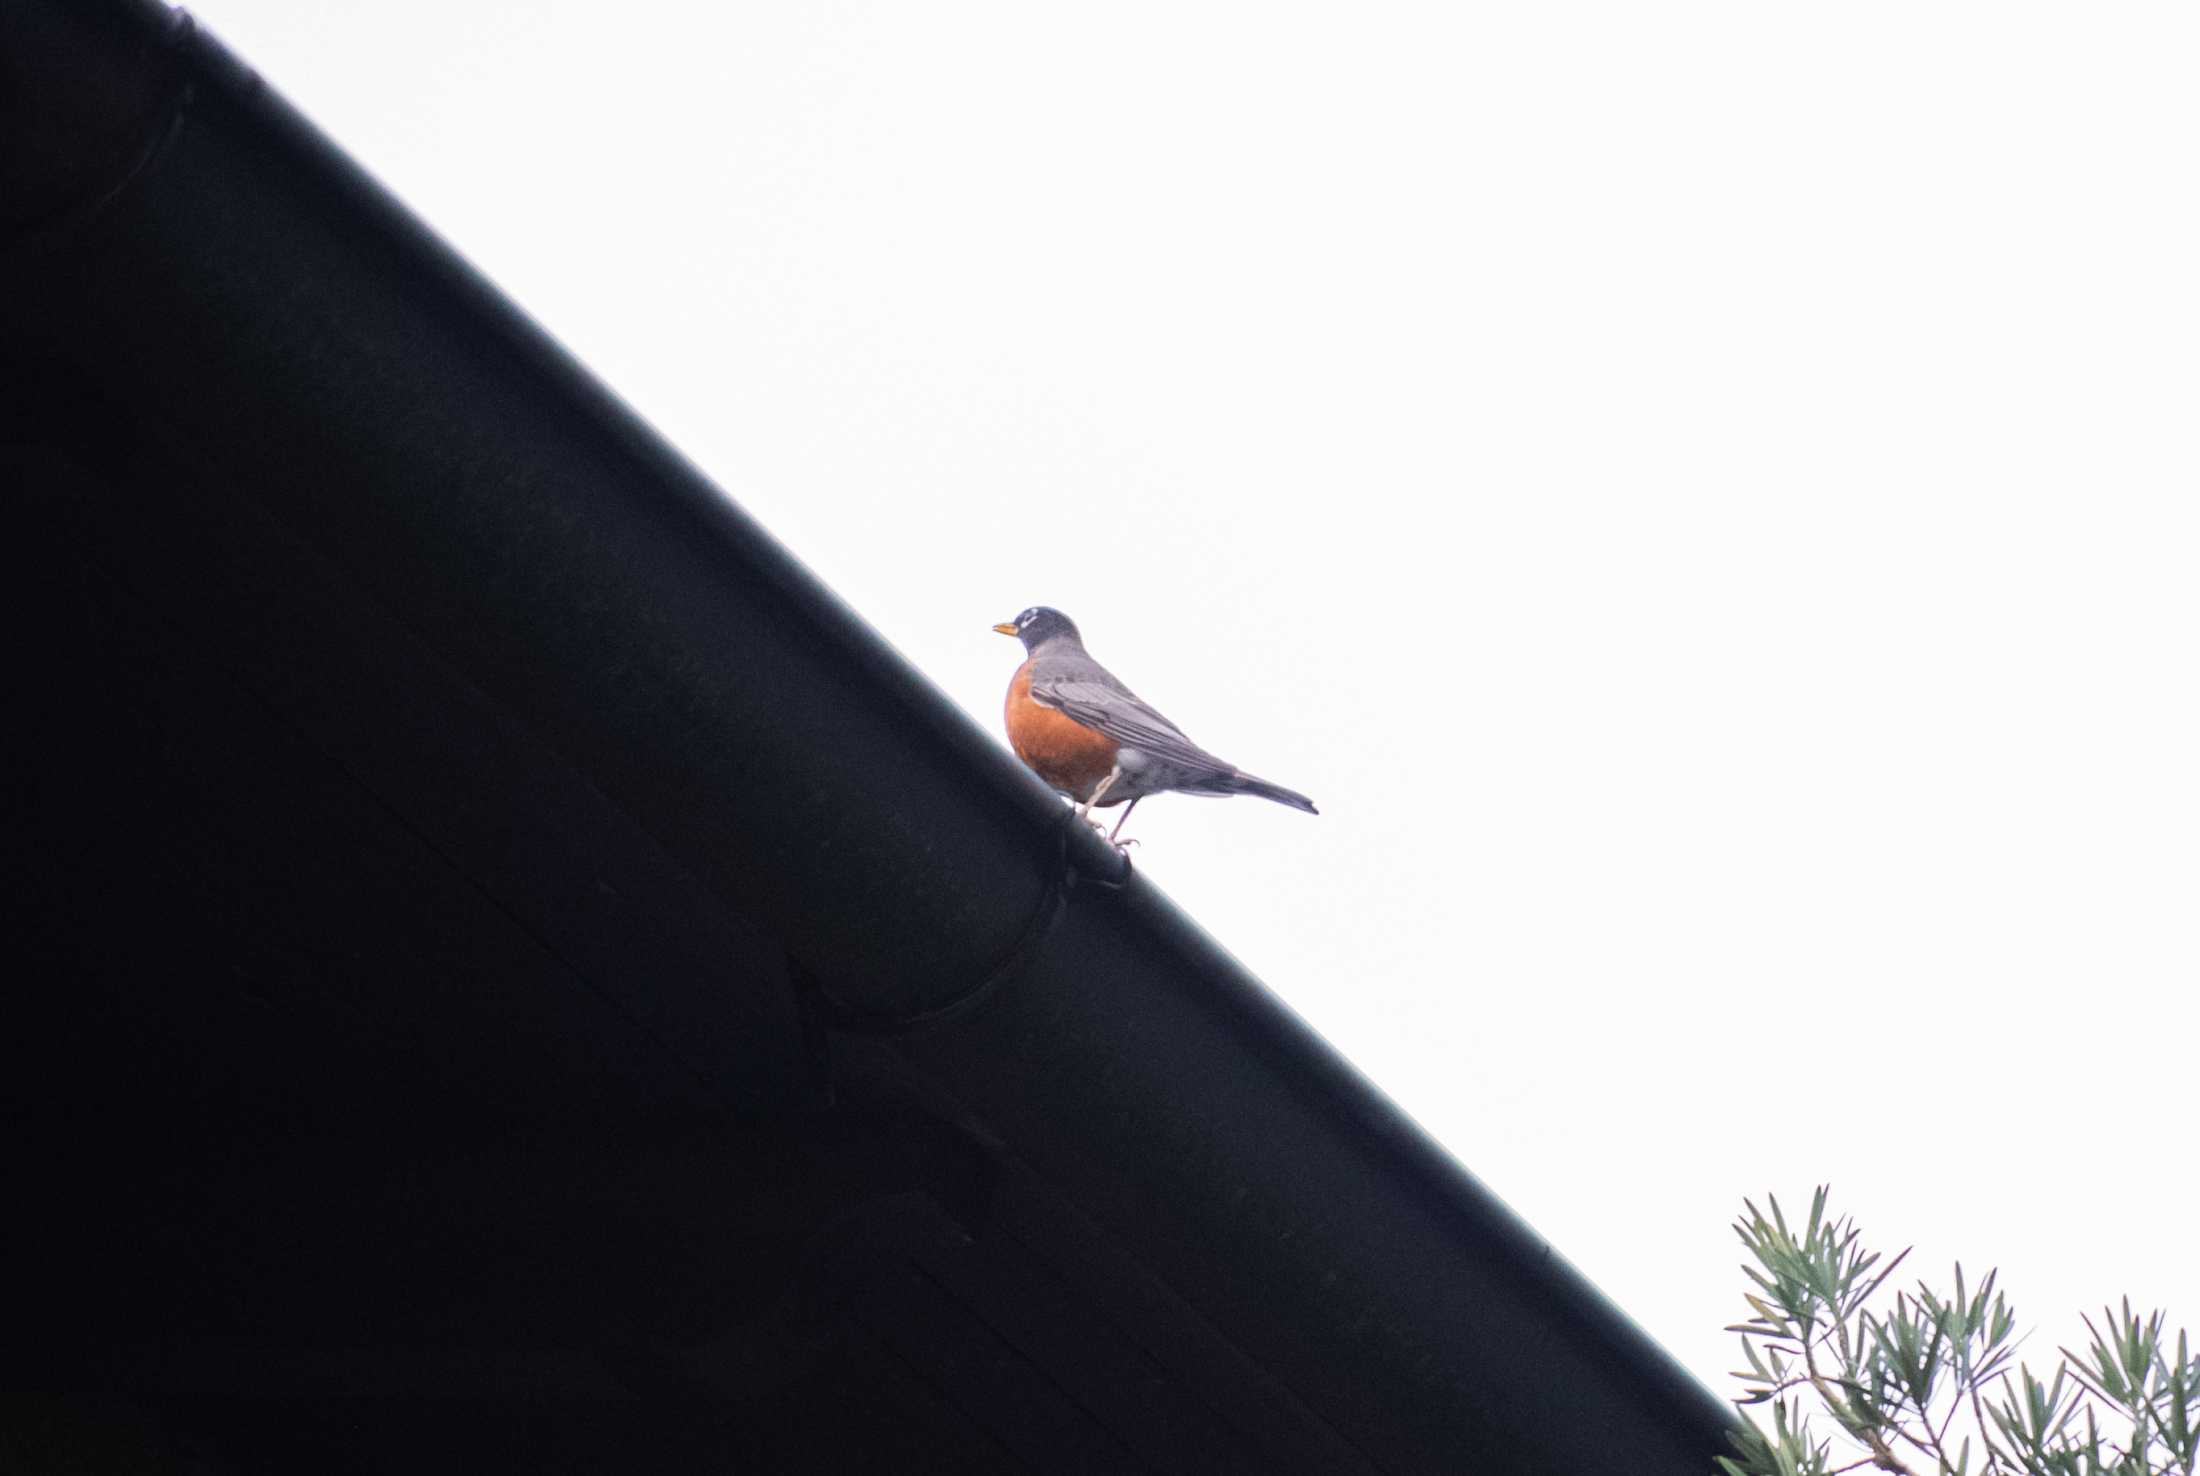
(509, 971)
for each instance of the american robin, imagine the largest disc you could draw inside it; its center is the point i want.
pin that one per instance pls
(1090, 737)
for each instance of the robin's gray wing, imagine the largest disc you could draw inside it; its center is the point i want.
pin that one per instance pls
(1086, 691)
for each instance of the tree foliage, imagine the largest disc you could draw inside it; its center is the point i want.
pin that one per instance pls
(1923, 1384)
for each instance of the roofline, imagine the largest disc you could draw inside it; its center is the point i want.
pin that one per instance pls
(209, 253)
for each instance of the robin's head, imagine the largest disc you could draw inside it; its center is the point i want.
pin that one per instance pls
(1038, 625)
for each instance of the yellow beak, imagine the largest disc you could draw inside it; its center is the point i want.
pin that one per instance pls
(1006, 627)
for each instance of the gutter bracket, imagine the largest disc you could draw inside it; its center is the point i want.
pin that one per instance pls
(1064, 875)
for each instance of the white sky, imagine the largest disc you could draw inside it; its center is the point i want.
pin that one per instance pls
(1703, 495)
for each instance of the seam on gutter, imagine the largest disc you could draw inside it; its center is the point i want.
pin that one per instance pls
(170, 98)
(1064, 875)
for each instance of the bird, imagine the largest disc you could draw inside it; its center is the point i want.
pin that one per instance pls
(1091, 738)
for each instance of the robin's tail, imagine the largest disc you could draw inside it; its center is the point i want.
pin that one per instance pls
(1244, 783)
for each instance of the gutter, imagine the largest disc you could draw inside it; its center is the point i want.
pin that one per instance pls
(173, 233)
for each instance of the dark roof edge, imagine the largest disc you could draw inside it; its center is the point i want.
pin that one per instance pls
(306, 337)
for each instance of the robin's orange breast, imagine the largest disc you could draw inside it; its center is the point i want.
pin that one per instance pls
(1064, 752)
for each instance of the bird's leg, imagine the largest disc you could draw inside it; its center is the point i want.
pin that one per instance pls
(1120, 819)
(1084, 811)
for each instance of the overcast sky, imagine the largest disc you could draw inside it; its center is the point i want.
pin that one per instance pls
(1703, 496)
